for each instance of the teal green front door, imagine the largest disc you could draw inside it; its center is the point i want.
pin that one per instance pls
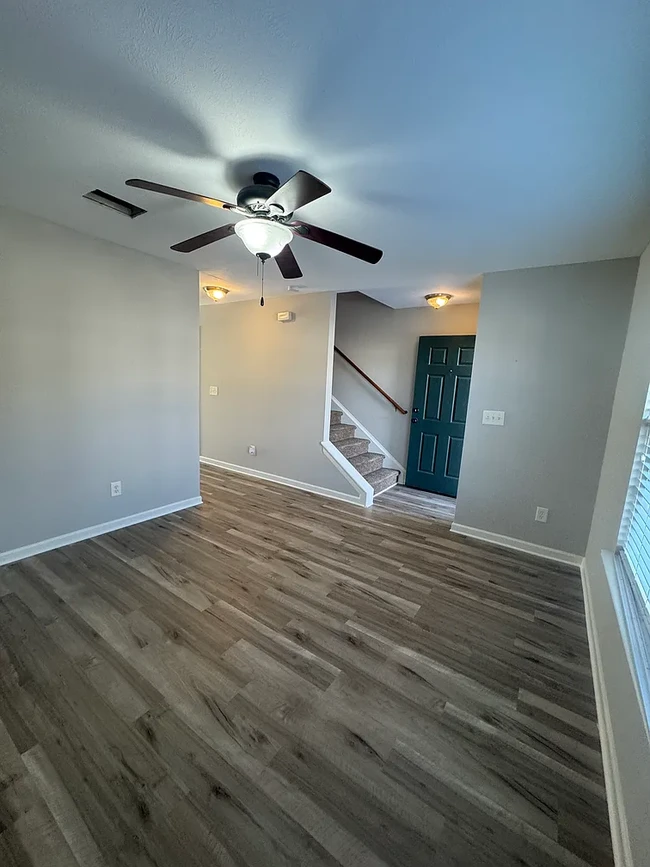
(442, 376)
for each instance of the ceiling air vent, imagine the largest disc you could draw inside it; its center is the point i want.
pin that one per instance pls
(114, 203)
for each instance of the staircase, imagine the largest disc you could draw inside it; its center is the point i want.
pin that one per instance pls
(355, 449)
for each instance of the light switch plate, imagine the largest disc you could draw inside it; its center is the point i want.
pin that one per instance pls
(494, 416)
(214, 390)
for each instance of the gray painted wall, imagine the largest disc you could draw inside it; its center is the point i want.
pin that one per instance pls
(98, 381)
(548, 352)
(629, 735)
(274, 381)
(384, 342)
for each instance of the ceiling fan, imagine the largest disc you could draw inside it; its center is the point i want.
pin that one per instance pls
(268, 227)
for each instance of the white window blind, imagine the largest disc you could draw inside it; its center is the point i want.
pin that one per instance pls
(635, 527)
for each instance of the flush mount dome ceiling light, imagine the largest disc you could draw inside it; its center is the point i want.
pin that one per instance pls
(438, 299)
(263, 237)
(215, 292)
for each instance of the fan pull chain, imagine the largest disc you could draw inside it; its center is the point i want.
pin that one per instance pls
(261, 282)
(261, 259)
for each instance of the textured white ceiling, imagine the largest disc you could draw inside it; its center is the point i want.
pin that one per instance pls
(460, 137)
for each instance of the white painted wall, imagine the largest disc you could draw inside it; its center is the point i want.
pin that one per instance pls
(384, 342)
(98, 381)
(630, 742)
(548, 351)
(274, 387)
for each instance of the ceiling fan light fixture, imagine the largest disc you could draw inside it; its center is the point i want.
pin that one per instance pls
(217, 293)
(438, 299)
(263, 236)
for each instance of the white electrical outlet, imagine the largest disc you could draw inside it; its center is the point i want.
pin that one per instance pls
(252, 450)
(541, 514)
(214, 390)
(116, 489)
(494, 416)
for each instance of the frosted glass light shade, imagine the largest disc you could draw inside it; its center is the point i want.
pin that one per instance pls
(263, 236)
(438, 299)
(215, 292)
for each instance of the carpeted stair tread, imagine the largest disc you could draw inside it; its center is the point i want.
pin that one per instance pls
(340, 432)
(352, 446)
(367, 462)
(382, 479)
(355, 449)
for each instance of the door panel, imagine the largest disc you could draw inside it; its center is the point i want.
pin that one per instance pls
(438, 355)
(454, 454)
(440, 397)
(433, 397)
(427, 453)
(460, 398)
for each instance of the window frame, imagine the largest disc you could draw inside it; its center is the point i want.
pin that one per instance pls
(640, 466)
(630, 593)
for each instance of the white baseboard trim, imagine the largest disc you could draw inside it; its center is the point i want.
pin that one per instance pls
(97, 530)
(518, 545)
(617, 819)
(281, 480)
(390, 462)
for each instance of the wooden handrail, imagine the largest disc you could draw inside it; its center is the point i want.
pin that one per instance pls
(371, 381)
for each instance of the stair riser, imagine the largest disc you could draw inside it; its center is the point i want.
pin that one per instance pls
(367, 463)
(349, 450)
(341, 432)
(380, 489)
(382, 479)
(335, 416)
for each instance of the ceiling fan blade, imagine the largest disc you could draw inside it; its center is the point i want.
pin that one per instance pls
(287, 264)
(299, 190)
(179, 194)
(203, 240)
(337, 242)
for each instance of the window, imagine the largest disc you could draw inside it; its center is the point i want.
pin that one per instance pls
(631, 568)
(635, 527)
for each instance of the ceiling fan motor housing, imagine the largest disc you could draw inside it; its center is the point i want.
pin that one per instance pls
(254, 196)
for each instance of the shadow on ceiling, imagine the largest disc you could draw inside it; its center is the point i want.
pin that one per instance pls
(98, 87)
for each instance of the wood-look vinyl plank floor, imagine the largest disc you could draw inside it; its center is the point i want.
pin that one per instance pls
(274, 678)
(422, 504)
